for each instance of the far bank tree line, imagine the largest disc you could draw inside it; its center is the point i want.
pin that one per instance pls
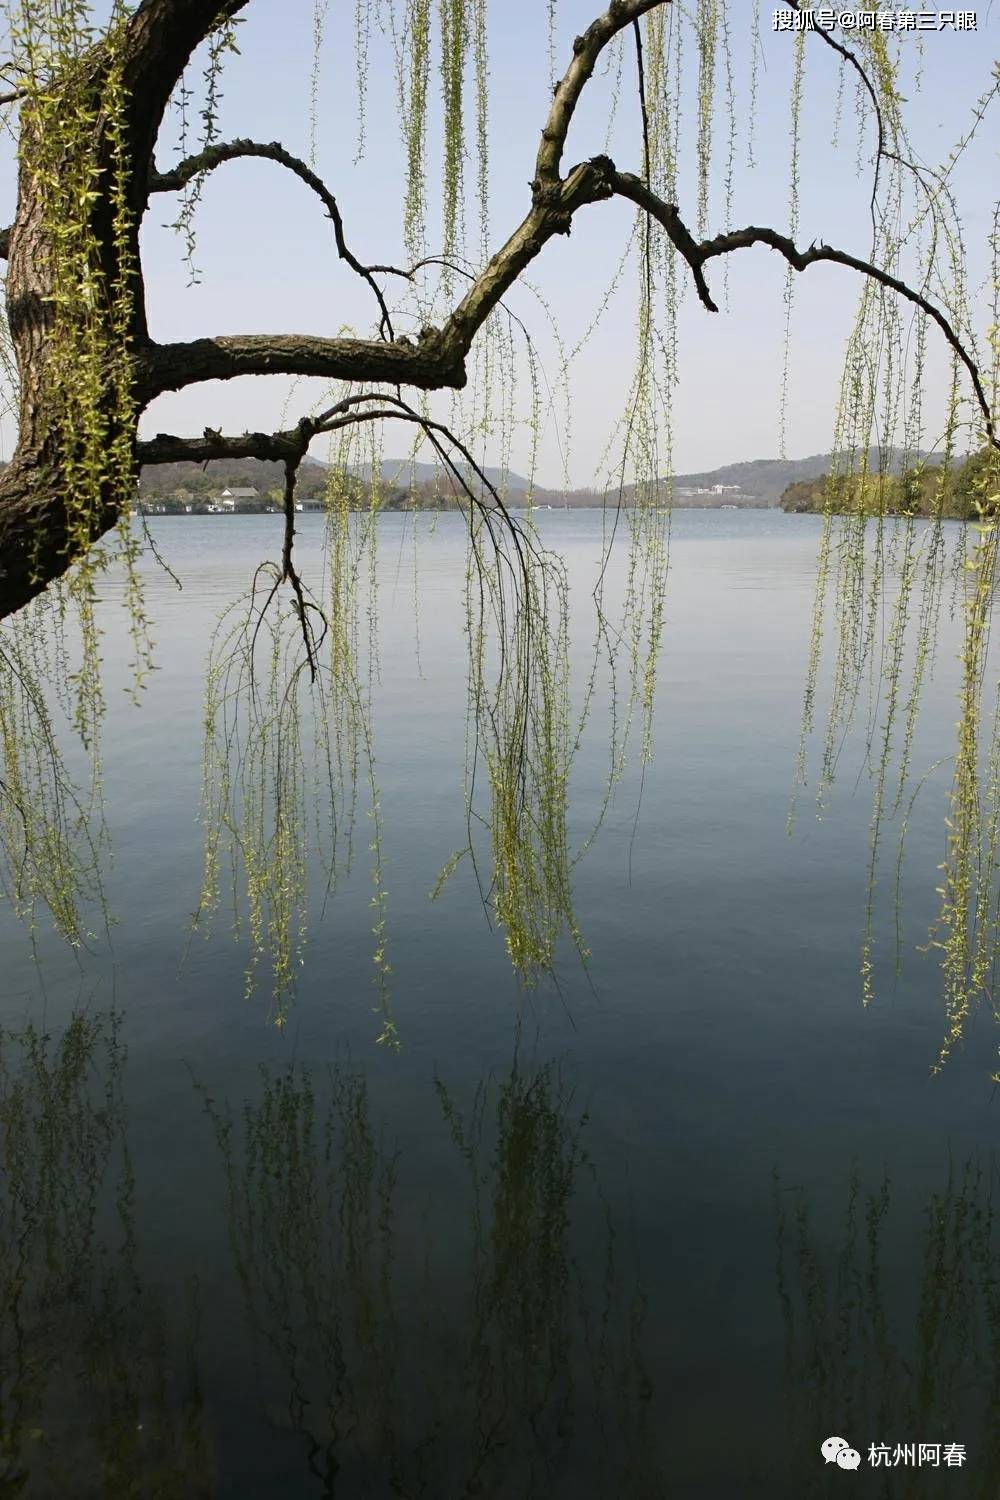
(196, 492)
(960, 491)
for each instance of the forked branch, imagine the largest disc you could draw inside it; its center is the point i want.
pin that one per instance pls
(696, 253)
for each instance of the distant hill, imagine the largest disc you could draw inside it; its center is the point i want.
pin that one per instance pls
(768, 478)
(764, 478)
(158, 480)
(402, 472)
(398, 473)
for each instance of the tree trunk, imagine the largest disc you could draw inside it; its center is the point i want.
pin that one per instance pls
(39, 540)
(35, 545)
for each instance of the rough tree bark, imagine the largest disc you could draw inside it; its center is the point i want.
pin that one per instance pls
(161, 36)
(34, 546)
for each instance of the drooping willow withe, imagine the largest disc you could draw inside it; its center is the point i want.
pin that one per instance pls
(90, 100)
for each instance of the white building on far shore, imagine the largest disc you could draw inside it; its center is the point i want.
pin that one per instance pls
(238, 499)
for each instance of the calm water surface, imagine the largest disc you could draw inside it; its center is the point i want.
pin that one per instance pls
(658, 1234)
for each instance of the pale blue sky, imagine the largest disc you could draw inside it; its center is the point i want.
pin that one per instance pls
(266, 253)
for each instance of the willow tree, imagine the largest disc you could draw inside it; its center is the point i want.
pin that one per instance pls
(89, 101)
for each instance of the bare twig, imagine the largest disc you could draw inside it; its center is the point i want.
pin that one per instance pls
(214, 156)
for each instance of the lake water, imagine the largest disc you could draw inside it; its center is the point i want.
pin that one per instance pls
(658, 1233)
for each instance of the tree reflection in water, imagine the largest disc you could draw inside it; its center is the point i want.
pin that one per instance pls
(488, 1347)
(94, 1398)
(516, 1375)
(864, 1362)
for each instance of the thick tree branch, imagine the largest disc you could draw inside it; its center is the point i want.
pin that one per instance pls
(552, 214)
(428, 365)
(162, 36)
(627, 185)
(166, 449)
(213, 156)
(4, 243)
(586, 51)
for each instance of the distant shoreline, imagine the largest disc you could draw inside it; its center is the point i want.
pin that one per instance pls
(444, 510)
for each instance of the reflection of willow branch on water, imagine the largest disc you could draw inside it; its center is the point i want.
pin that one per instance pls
(513, 1369)
(548, 1343)
(858, 1361)
(86, 1405)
